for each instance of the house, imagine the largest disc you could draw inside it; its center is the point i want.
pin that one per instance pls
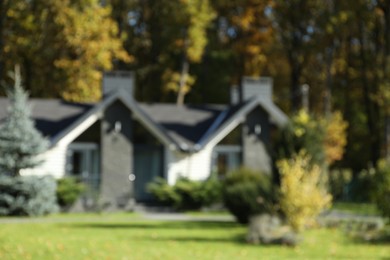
(118, 145)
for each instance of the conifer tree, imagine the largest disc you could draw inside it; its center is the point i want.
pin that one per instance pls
(20, 142)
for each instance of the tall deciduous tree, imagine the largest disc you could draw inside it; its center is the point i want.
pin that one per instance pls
(247, 28)
(296, 24)
(20, 142)
(195, 17)
(62, 46)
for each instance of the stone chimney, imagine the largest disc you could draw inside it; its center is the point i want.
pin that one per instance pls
(118, 80)
(250, 87)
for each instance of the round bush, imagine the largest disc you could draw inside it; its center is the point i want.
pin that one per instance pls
(186, 194)
(247, 193)
(69, 190)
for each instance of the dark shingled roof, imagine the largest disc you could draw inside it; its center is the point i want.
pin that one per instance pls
(186, 124)
(51, 115)
(189, 126)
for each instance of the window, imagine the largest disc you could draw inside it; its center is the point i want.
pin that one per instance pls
(226, 158)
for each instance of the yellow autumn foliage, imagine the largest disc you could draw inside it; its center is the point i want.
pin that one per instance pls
(302, 197)
(171, 80)
(335, 138)
(200, 13)
(91, 41)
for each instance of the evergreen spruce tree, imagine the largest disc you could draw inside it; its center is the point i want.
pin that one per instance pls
(20, 142)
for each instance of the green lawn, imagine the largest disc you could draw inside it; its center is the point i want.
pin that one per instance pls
(356, 208)
(122, 236)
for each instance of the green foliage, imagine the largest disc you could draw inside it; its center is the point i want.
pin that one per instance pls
(381, 194)
(247, 193)
(339, 180)
(62, 45)
(363, 186)
(20, 142)
(304, 133)
(186, 194)
(68, 191)
(302, 196)
(323, 138)
(163, 192)
(27, 196)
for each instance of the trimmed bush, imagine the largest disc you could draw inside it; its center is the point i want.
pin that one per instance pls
(186, 194)
(27, 196)
(68, 191)
(247, 193)
(163, 192)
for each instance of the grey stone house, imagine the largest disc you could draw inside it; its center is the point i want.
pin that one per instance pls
(118, 145)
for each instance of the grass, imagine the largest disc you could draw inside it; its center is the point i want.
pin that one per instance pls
(356, 208)
(119, 236)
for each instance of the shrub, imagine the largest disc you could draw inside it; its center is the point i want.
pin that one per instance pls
(189, 194)
(338, 183)
(27, 196)
(247, 193)
(381, 195)
(304, 132)
(301, 196)
(163, 192)
(323, 138)
(363, 186)
(68, 191)
(186, 194)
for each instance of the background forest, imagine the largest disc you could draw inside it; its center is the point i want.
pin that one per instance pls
(192, 51)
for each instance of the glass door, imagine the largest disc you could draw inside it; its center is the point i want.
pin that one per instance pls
(83, 162)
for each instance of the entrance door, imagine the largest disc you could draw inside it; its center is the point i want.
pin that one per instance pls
(148, 164)
(83, 163)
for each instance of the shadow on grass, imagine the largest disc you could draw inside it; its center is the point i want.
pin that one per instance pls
(158, 225)
(170, 225)
(382, 238)
(236, 239)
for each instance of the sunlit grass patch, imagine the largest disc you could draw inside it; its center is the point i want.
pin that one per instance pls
(113, 236)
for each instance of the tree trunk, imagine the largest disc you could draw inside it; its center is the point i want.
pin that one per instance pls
(295, 90)
(4, 5)
(371, 110)
(385, 6)
(185, 66)
(329, 81)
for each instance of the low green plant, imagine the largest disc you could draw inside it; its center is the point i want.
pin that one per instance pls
(363, 186)
(339, 179)
(68, 191)
(186, 194)
(247, 193)
(27, 195)
(381, 195)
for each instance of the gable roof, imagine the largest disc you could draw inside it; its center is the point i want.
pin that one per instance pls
(236, 114)
(186, 128)
(194, 127)
(51, 116)
(185, 124)
(57, 119)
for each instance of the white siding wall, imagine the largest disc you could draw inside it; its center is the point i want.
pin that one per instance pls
(54, 163)
(194, 166)
(55, 158)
